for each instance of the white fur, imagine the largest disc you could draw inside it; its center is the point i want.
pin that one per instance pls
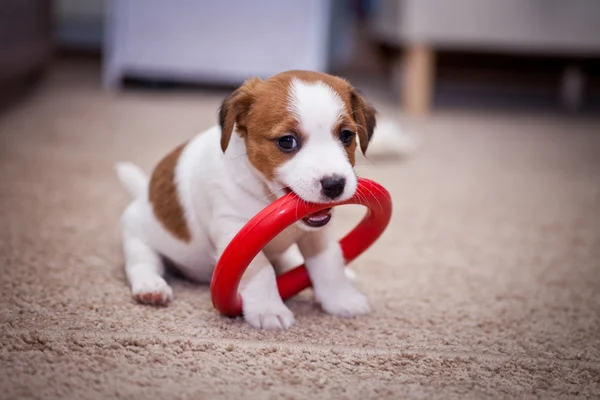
(390, 140)
(318, 108)
(132, 178)
(263, 307)
(332, 286)
(219, 192)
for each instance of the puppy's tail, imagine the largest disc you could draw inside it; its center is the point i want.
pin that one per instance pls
(133, 179)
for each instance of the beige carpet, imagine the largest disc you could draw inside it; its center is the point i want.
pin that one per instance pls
(485, 285)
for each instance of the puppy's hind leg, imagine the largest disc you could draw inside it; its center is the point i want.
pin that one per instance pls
(144, 270)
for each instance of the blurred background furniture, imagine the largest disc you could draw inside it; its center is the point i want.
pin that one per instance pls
(80, 24)
(421, 27)
(26, 44)
(500, 54)
(216, 41)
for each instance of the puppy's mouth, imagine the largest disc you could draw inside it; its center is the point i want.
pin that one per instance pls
(318, 219)
(315, 220)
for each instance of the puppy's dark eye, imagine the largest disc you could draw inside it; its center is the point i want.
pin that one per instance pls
(346, 136)
(287, 143)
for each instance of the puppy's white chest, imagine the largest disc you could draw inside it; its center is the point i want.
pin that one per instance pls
(283, 241)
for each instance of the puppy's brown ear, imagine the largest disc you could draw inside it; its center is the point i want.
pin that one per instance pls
(235, 109)
(364, 115)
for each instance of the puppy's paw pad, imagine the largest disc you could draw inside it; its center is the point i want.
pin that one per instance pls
(152, 290)
(270, 317)
(345, 302)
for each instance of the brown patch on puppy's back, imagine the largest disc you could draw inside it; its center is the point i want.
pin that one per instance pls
(164, 197)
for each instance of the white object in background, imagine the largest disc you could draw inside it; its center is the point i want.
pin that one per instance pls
(214, 41)
(390, 140)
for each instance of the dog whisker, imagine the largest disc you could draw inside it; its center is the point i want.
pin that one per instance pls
(376, 198)
(238, 157)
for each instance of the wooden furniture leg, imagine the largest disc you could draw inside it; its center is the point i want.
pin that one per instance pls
(416, 69)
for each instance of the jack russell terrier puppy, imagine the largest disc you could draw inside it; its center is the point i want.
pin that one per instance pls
(296, 131)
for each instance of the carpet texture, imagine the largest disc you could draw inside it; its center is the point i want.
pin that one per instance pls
(485, 285)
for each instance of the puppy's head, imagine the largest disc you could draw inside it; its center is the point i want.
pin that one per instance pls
(301, 130)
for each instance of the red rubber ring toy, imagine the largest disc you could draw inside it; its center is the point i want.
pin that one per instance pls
(273, 219)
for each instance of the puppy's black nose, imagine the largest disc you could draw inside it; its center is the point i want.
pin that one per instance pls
(333, 186)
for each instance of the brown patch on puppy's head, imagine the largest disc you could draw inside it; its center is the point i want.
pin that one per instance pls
(258, 111)
(364, 115)
(262, 111)
(235, 109)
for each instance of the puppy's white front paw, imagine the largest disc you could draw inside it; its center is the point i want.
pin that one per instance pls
(343, 301)
(151, 289)
(269, 316)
